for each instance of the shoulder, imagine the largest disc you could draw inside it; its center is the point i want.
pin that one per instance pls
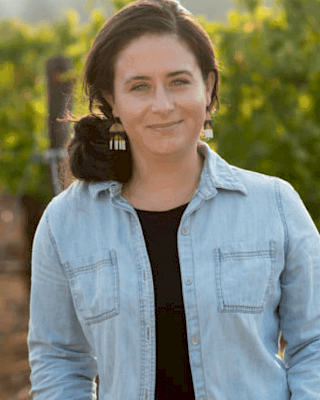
(70, 199)
(62, 206)
(258, 188)
(271, 191)
(257, 180)
(268, 186)
(228, 176)
(79, 202)
(75, 214)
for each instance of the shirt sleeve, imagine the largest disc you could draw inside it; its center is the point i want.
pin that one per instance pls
(62, 362)
(299, 308)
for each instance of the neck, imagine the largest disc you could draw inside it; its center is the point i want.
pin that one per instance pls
(164, 182)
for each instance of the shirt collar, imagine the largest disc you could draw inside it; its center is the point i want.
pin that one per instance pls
(113, 187)
(216, 174)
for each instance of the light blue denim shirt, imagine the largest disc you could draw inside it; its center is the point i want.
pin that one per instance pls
(250, 268)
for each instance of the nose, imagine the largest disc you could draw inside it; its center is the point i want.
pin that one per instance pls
(162, 102)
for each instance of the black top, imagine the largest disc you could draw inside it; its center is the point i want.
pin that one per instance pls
(174, 379)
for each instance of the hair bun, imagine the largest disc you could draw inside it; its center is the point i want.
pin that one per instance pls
(89, 155)
(91, 128)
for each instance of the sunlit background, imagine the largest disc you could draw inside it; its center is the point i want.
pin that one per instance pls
(269, 118)
(36, 10)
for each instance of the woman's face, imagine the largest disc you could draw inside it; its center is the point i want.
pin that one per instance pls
(160, 95)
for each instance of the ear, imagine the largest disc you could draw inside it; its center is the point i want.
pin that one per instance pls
(209, 86)
(109, 98)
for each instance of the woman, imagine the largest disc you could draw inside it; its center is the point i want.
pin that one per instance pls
(163, 269)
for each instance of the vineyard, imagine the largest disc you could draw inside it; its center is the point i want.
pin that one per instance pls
(269, 116)
(270, 100)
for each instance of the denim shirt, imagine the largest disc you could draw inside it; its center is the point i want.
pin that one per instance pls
(250, 267)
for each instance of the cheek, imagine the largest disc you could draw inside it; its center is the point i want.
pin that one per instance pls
(195, 110)
(132, 109)
(129, 115)
(196, 99)
(132, 121)
(196, 116)
(195, 123)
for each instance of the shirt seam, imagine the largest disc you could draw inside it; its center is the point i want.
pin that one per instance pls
(54, 243)
(281, 212)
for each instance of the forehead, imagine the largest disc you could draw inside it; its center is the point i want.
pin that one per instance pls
(154, 53)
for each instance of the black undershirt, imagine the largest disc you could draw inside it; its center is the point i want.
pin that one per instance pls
(173, 375)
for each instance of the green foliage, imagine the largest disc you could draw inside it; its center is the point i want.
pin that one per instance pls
(250, 5)
(270, 100)
(24, 51)
(118, 4)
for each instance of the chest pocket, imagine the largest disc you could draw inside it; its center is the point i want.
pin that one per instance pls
(244, 275)
(94, 283)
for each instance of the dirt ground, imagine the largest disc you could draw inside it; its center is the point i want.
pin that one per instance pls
(14, 302)
(14, 367)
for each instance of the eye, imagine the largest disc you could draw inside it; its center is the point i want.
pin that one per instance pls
(180, 82)
(139, 87)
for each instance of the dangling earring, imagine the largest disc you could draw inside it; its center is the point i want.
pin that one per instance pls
(117, 142)
(207, 129)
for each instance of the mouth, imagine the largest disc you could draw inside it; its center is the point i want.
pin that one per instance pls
(167, 125)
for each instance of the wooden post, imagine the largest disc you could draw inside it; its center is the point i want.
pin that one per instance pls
(59, 101)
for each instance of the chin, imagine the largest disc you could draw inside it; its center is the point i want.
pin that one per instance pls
(171, 150)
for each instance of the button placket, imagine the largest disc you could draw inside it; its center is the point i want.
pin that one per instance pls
(185, 230)
(147, 315)
(186, 251)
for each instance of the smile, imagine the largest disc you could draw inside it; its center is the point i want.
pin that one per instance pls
(167, 125)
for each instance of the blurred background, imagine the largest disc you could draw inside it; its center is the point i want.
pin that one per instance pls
(268, 119)
(38, 10)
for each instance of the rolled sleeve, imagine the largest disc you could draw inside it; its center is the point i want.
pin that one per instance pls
(62, 362)
(299, 308)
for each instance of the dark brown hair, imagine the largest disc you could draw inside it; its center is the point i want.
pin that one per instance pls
(90, 157)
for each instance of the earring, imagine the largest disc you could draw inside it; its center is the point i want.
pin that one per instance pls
(117, 142)
(207, 129)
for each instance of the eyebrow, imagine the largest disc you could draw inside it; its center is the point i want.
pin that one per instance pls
(169, 75)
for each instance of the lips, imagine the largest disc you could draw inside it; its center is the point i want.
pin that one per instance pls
(167, 125)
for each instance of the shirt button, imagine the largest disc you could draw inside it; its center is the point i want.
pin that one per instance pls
(195, 340)
(188, 281)
(185, 231)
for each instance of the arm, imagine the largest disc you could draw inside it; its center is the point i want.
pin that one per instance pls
(61, 360)
(299, 308)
